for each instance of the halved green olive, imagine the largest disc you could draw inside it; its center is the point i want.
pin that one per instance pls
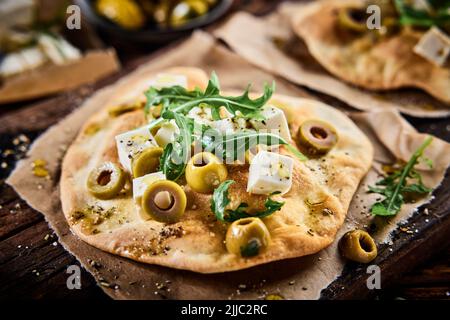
(125, 13)
(120, 109)
(204, 172)
(106, 180)
(247, 237)
(317, 137)
(353, 19)
(146, 162)
(164, 201)
(358, 245)
(183, 11)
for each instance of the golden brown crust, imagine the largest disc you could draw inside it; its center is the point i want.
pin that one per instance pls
(196, 241)
(372, 64)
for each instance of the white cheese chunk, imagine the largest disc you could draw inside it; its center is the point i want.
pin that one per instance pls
(275, 122)
(229, 123)
(26, 59)
(163, 80)
(224, 126)
(57, 49)
(434, 46)
(421, 5)
(131, 143)
(140, 184)
(166, 133)
(201, 115)
(270, 172)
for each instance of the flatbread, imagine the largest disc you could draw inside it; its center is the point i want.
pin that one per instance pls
(384, 65)
(196, 242)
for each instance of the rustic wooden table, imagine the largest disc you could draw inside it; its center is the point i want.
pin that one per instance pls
(33, 264)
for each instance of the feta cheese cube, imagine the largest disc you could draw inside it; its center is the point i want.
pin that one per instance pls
(57, 49)
(270, 172)
(167, 133)
(201, 115)
(26, 59)
(434, 46)
(224, 126)
(163, 80)
(131, 143)
(275, 122)
(140, 184)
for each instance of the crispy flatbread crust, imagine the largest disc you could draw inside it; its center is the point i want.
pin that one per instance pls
(376, 65)
(196, 242)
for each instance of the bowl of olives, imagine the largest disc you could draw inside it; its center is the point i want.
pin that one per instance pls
(152, 20)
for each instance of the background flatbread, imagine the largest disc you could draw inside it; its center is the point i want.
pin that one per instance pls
(270, 44)
(196, 242)
(377, 65)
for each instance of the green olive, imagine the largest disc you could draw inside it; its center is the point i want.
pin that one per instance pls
(353, 19)
(146, 162)
(120, 109)
(200, 7)
(164, 201)
(205, 172)
(125, 13)
(106, 180)
(316, 137)
(247, 237)
(358, 245)
(186, 10)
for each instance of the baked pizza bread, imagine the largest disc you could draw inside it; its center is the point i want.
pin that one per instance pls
(409, 48)
(189, 177)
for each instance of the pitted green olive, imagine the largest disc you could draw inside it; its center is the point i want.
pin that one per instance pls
(120, 109)
(204, 172)
(247, 237)
(316, 137)
(106, 180)
(353, 19)
(358, 245)
(125, 13)
(146, 162)
(164, 201)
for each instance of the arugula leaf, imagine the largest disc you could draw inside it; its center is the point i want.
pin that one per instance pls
(176, 101)
(232, 146)
(395, 186)
(220, 201)
(180, 100)
(439, 15)
(176, 155)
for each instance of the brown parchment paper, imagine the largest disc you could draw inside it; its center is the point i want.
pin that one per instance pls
(301, 278)
(49, 79)
(270, 44)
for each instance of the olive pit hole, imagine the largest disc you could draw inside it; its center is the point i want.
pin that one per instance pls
(365, 244)
(203, 162)
(358, 16)
(104, 177)
(164, 200)
(319, 133)
(244, 222)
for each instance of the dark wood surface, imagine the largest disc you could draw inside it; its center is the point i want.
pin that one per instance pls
(33, 264)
